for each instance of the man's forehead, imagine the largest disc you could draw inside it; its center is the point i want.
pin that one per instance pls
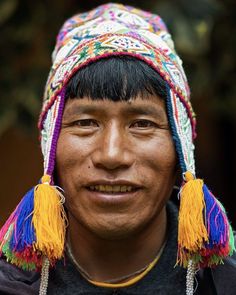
(150, 105)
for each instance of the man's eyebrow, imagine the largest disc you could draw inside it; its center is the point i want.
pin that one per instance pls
(145, 110)
(81, 109)
(127, 110)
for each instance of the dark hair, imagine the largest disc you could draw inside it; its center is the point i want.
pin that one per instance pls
(116, 78)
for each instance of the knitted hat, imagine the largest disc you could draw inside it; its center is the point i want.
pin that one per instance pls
(36, 229)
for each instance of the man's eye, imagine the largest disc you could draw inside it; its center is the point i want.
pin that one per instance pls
(143, 124)
(86, 123)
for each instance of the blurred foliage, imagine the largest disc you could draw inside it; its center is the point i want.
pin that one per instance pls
(204, 32)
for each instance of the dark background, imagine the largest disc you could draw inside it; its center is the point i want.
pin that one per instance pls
(205, 36)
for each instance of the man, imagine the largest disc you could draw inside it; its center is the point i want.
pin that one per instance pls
(117, 129)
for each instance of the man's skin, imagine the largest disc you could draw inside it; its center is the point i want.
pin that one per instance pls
(116, 144)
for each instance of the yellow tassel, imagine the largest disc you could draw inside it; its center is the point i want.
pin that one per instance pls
(49, 220)
(192, 232)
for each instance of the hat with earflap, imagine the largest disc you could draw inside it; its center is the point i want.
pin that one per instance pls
(34, 235)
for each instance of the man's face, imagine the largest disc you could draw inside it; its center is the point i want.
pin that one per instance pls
(116, 162)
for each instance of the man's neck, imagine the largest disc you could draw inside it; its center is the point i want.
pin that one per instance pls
(106, 260)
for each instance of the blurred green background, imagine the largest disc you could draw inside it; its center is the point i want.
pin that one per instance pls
(205, 36)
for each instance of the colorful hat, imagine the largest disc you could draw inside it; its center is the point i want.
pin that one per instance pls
(35, 232)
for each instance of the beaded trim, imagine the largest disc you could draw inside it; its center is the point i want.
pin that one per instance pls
(181, 131)
(190, 278)
(44, 277)
(50, 132)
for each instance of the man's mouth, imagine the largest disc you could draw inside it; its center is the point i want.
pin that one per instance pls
(112, 192)
(112, 189)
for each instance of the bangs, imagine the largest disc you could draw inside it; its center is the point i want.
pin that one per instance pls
(116, 78)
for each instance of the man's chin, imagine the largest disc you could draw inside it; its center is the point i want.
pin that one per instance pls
(111, 225)
(114, 229)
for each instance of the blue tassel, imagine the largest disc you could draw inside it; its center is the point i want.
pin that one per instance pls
(23, 234)
(216, 221)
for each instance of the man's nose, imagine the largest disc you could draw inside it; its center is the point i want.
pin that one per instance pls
(114, 151)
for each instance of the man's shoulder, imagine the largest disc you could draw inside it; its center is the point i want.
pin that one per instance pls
(224, 276)
(16, 281)
(221, 278)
